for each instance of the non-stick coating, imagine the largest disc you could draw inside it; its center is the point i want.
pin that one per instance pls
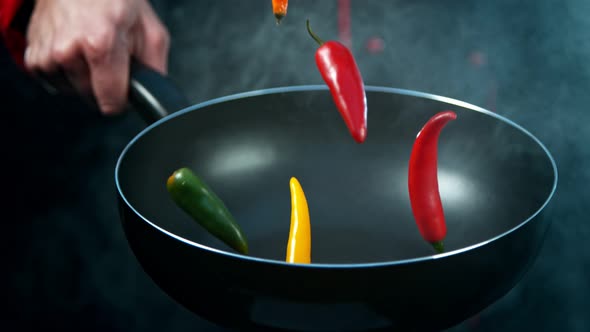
(492, 175)
(495, 181)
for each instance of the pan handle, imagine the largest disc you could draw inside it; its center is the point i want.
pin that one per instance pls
(151, 94)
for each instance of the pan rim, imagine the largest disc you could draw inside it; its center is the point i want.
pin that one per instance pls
(371, 88)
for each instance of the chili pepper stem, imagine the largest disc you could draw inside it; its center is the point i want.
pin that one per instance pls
(439, 247)
(279, 17)
(313, 35)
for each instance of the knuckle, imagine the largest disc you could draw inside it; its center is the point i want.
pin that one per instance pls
(64, 52)
(160, 39)
(99, 44)
(29, 58)
(118, 13)
(43, 62)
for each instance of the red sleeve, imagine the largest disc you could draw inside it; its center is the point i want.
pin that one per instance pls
(13, 37)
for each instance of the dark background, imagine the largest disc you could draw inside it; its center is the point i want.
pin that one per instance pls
(66, 262)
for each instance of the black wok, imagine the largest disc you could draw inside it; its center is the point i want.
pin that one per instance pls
(371, 269)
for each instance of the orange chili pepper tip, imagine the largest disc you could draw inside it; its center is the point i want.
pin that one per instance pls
(279, 8)
(170, 180)
(299, 244)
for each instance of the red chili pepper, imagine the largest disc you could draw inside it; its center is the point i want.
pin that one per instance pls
(423, 181)
(340, 72)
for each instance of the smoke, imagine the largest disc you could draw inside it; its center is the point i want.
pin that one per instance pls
(528, 61)
(220, 48)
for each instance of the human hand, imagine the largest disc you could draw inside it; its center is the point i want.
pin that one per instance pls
(92, 42)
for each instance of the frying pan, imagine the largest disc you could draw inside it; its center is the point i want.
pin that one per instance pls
(370, 268)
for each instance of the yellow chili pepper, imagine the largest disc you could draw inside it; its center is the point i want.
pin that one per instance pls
(299, 245)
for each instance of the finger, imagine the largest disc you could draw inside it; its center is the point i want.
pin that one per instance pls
(78, 74)
(29, 57)
(31, 51)
(108, 61)
(152, 43)
(67, 54)
(39, 57)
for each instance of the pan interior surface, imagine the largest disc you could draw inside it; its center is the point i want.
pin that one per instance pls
(493, 176)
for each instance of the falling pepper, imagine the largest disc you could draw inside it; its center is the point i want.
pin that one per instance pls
(423, 181)
(193, 196)
(299, 245)
(279, 9)
(340, 72)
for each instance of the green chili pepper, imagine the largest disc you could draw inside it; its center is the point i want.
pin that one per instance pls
(192, 195)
